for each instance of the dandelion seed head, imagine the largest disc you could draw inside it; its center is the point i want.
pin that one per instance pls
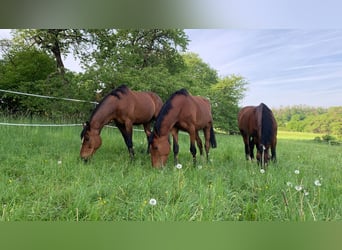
(298, 187)
(179, 166)
(59, 162)
(153, 202)
(296, 171)
(318, 183)
(289, 184)
(262, 171)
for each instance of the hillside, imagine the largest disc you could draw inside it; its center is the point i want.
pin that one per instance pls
(326, 121)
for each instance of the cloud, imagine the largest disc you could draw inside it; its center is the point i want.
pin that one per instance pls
(291, 61)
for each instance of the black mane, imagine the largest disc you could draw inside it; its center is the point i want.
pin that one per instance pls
(86, 126)
(123, 89)
(267, 128)
(165, 109)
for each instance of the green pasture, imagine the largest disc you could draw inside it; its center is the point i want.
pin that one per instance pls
(43, 179)
(297, 135)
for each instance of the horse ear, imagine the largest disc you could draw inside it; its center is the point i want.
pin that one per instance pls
(85, 124)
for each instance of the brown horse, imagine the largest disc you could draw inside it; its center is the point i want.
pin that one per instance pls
(181, 112)
(258, 128)
(126, 108)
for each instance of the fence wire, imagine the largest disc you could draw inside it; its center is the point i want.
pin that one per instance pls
(46, 97)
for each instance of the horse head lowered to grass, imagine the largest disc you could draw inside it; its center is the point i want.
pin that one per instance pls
(258, 127)
(185, 112)
(125, 108)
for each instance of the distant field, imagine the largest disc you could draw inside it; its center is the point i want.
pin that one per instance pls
(43, 179)
(297, 135)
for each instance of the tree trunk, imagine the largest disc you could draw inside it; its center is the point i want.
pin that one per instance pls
(57, 53)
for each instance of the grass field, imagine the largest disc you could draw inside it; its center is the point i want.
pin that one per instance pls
(43, 179)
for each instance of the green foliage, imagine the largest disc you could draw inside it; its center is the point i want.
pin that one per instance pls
(225, 96)
(25, 70)
(309, 119)
(144, 59)
(123, 49)
(32, 71)
(56, 42)
(42, 179)
(197, 76)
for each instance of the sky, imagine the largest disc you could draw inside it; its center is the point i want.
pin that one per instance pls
(283, 67)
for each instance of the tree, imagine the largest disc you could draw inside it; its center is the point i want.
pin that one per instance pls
(197, 76)
(119, 54)
(58, 42)
(310, 119)
(25, 70)
(225, 97)
(144, 59)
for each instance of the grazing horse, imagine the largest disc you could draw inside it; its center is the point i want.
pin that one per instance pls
(181, 112)
(126, 108)
(258, 127)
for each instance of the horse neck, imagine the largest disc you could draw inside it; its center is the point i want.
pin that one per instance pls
(103, 115)
(169, 120)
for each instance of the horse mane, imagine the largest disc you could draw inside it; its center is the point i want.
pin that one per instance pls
(265, 123)
(123, 89)
(166, 108)
(86, 126)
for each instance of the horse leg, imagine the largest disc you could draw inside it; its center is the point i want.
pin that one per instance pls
(147, 129)
(246, 142)
(274, 154)
(126, 131)
(192, 145)
(206, 133)
(251, 147)
(129, 130)
(199, 143)
(174, 133)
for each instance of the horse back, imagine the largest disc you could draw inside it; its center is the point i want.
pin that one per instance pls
(197, 109)
(138, 106)
(158, 102)
(247, 120)
(135, 106)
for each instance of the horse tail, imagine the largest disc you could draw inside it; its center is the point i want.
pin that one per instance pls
(212, 138)
(266, 123)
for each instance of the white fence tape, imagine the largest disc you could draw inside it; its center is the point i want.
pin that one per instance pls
(54, 125)
(45, 96)
(49, 125)
(38, 125)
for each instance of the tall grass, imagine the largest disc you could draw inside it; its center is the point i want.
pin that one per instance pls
(43, 179)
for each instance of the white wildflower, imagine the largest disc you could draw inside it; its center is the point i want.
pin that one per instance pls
(262, 171)
(289, 184)
(317, 183)
(296, 171)
(179, 166)
(153, 202)
(298, 187)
